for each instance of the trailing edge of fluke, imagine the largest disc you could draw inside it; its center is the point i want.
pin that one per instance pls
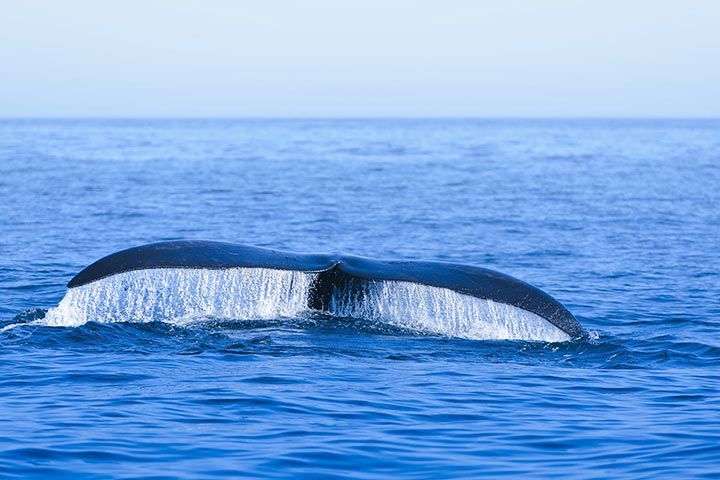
(336, 270)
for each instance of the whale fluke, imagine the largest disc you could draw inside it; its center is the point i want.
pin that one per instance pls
(344, 283)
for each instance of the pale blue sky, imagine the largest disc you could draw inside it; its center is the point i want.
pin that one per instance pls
(360, 58)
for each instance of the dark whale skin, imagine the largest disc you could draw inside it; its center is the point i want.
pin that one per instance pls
(334, 270)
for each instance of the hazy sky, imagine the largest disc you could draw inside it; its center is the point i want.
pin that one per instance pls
(360, 58)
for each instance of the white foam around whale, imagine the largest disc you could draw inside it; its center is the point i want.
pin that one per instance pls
(182, 295)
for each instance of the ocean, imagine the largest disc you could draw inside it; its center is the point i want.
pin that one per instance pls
(617, 219)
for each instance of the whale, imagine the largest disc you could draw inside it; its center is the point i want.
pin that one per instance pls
(338, 276)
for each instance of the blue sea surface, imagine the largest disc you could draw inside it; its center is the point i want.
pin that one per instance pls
(617, 219)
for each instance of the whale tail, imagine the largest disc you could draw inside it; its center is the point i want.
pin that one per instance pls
(462, 298)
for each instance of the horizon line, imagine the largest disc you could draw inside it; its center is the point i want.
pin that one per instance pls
(354, 117)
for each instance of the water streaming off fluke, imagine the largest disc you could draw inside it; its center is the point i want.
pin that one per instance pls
(441, 311)
(178, 295)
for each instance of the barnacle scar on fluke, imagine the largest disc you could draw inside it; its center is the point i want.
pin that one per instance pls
(446, 298)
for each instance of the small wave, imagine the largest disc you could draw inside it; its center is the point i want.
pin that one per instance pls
(181, 296)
